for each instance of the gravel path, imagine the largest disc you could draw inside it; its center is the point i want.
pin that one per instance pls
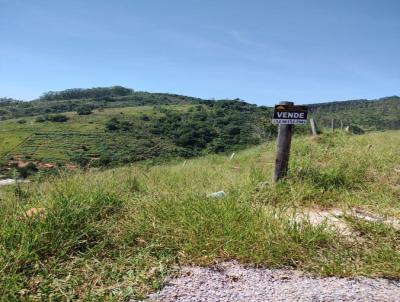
(232, 282)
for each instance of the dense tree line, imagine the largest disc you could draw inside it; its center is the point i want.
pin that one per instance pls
(78, 93)
(8, 102)
(15, 109)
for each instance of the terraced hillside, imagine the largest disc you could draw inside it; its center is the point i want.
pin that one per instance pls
(63, 142)
(113, 136)
(116, 125)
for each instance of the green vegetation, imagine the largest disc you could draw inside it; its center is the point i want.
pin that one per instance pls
(58, 118)
(381, 114)
(113, 235)
(77, 93)
(84, 110)
(96, 98)
(377, 114)
(115, 125)
(115, 136)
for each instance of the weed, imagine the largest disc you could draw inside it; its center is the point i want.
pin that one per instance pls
(114, 234)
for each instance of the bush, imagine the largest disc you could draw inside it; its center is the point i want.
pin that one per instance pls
(40, 119)
(80, 158)
(112, 124)
(355, 129)
(145, 117)
(84, 110)
(28, 170)
(58, 118)
(21, 121)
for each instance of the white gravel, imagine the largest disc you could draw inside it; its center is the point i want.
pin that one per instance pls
(233, 282)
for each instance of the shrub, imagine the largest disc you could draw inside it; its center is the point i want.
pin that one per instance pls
(28, 170)
(80, 158)
(145, 117)
(40, 119)
(112, 124)
(84, 110)
(59, 118)
(356, 129)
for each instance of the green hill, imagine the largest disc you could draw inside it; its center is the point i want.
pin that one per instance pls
(120, 135)
(114, 234)
(116, 125)
(381, 114)
(95, 98)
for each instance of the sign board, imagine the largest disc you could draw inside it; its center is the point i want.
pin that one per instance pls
(290, 115)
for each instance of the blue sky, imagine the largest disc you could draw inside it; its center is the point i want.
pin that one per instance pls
(260, 51)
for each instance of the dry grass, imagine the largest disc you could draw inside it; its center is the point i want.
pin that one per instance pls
(113, 235)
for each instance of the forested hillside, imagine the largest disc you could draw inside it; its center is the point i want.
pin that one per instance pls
(378, 114)
(113, 136)
(116, 125)
(95, 98)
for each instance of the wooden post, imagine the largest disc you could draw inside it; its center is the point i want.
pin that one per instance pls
(313, 127)
(341, 124)
(282, 148)
(333, 125)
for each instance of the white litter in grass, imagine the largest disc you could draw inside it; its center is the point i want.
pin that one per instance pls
(218, 194)
(10, 181)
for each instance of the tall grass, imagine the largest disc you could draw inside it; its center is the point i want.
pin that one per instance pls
(113, 235)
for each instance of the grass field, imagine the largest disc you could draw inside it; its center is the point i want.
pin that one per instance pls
(113, 235)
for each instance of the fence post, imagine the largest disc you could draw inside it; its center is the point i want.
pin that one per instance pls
(282, 148)
(313, 127)
(333, 125)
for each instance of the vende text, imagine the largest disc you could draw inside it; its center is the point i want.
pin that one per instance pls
(295, 115)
